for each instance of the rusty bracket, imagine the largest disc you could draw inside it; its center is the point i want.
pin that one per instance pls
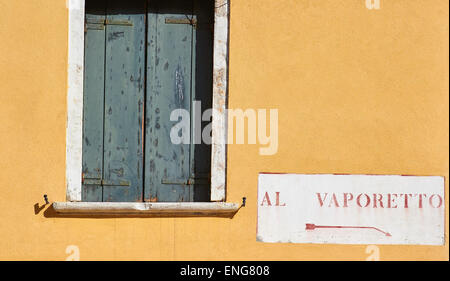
(192, 22)
(105, 182)
(190, 181)
(100, 24)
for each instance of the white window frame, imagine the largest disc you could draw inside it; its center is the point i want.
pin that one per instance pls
(74, 134)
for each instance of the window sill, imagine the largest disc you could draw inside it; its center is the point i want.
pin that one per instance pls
(146, 209)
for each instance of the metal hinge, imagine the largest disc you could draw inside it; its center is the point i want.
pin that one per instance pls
(191, 21)
(100, 23)
(105, 182)
(190, 181)
(186, 20)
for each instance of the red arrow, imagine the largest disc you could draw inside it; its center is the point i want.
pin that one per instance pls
(311, 226)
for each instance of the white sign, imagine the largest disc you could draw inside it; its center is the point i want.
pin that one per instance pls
(351, 209)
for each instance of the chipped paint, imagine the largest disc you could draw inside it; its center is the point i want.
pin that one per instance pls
(219, 127)
(351, 209)
(74, 129)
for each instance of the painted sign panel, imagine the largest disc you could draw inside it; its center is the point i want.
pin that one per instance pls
(351, 209)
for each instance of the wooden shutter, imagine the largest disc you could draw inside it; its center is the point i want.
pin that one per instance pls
(144, 59)
(114, 100)
(94, 77)
(176, 172)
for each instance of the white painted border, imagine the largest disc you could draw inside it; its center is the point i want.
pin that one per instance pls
(219, 118)
(74, 131)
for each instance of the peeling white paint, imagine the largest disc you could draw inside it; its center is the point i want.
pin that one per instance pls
(74, 131)
(219, 124)
(351, 209)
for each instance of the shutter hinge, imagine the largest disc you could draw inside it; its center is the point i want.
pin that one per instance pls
(101, 182)
(186, 20)
(100, 24)
(190, 181)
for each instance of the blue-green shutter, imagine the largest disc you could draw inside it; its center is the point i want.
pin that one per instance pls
(94, 80)
(144, 59)
(179, 70)
(122, 110)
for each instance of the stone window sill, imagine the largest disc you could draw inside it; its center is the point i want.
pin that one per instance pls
(146, 209)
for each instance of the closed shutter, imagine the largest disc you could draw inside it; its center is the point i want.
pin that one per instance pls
(144, 59)
(120, 147)
(93, 100)
(177, 172)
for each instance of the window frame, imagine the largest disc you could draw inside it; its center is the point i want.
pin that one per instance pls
(75, 80)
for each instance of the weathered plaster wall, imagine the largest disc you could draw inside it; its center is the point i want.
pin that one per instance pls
(357, 91)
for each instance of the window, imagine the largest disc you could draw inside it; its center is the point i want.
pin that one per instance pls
(75, 107)
(142, 60)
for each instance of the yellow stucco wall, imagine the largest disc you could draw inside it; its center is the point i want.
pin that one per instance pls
(358, 91)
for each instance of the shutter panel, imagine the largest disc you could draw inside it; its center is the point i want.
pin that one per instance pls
(94, 61)
(178, 52)
(114, 101)
(169, 88)
(171, 172)
(124, 101)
